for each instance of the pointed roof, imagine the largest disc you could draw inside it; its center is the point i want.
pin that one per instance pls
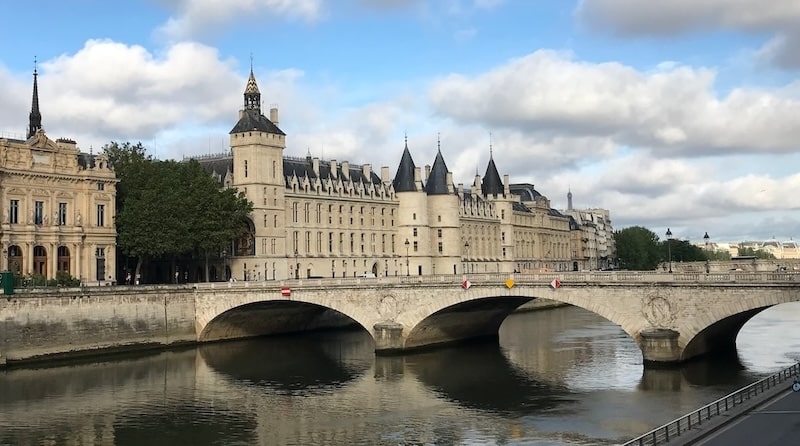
(251, 119)
(491, 185)
(35, 117)
(252, 97)
(404, 178)
(437, 180)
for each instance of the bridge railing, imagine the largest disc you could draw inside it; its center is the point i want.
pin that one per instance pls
(694, 420)
(566, 278)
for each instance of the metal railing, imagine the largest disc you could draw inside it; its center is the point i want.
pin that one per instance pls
(670, 431)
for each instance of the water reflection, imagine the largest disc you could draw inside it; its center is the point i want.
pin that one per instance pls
(563, 376)
(293, 363)
(480, 376)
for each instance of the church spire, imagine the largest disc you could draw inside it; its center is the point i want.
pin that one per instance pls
(252, 97)
(35, 117)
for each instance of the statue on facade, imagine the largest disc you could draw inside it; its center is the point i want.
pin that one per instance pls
(78, 219)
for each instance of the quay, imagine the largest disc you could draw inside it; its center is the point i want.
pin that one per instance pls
(765, 413)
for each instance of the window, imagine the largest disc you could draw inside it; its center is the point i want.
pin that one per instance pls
(441, 249)
(265, 197)
(100, 253)
(101, 214)
(13, 212)
(439, 233)
(62, 214)
(414, 216)
(416, 245)
(415, 232)
(245, 168)
(101, 186)
(38, 212)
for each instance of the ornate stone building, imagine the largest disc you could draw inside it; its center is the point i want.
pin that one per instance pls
(318, 218)
(59, 206)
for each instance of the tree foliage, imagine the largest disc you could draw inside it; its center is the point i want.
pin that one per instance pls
(637, 248)
(757, 253)
(169, 208)
(682, 251)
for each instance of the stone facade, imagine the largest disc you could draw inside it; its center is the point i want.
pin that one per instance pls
(58, 206)
(324, 218)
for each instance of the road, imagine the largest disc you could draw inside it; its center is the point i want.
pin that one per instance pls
(774, 422)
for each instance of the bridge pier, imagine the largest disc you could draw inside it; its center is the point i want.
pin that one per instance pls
(388, 337)
(660, 346)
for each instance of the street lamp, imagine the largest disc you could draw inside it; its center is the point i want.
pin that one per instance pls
(225, 264)
(408, 273)
(466, 254)
(706, 239)
(296, 266)
(669, 249)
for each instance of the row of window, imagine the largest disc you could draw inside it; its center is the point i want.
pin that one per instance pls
(39, 217)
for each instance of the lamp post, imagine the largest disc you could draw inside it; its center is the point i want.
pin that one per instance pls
(408, 273)
(296, 266)
(225, 264)
(706, 238)
(466, 254)
(669, 249)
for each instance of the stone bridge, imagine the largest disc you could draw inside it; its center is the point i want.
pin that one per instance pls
(671, 317)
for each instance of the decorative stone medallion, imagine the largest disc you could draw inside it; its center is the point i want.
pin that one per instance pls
(658, 311)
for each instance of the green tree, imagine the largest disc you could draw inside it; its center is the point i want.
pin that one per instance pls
(683, 251)
(168, 208)
(217, 216)
(757, 253)
(637, 248)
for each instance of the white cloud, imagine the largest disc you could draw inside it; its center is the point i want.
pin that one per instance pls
(637, 17)
(195, 17)
(633, 18)
(673, 111)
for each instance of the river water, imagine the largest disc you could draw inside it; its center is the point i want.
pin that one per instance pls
(563, 376)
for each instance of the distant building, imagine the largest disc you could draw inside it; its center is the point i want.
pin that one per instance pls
(59, 206)
(779, 249)
(594, 249)
(323, 218)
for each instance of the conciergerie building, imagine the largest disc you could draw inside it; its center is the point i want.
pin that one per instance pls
(323, 218)
(58, 206)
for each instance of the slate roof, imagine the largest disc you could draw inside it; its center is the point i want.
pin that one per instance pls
(253, 120)
(404, 178)
(525, 190)
(491, 185)
(437, 180)
(302, 167)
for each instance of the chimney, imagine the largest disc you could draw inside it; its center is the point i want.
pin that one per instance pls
(346, 170)
(315, 164)
(366, 170)
(273, 114)
(334, 170)
(385, 174)
(506, 190)
(449, 177)
(418, 177)
(427, 172)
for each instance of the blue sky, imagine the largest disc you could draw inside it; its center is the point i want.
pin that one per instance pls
(680, 114)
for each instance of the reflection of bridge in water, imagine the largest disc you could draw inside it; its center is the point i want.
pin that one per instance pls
(671, 317)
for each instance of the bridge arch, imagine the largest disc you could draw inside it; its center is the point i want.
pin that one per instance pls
(404, 313)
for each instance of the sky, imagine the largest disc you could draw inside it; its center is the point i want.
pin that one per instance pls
(682, 114)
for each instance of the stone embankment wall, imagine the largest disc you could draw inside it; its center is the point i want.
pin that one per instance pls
(38, 325)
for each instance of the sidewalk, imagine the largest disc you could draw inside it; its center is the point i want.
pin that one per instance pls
(775, 421)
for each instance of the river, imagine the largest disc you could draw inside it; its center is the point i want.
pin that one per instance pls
(563, 376)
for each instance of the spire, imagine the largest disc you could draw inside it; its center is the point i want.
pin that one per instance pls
(437, 179)
(569, 199)
(404, 178)
(492, 184)
(35, 118)
(252, 97)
